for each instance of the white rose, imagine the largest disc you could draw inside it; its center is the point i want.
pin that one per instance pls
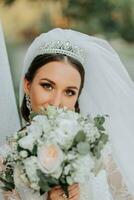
(68, 114)
(73, 115)
(27, 142)
(66, 132)
(50, 157)
(35, 130)
(62, 138)
(69, 125)
(41, 120)
(57, 173)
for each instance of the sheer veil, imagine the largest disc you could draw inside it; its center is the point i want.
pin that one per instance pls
(108, 89)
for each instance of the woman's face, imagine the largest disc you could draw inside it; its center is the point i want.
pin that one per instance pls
(56, 83)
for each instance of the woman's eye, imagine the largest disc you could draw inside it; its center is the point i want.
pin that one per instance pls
(70, 93)
(47, 86)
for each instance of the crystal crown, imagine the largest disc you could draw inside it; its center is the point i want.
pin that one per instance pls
(63, 47)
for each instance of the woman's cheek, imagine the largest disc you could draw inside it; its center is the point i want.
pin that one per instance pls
(70, 102)
(39, 99)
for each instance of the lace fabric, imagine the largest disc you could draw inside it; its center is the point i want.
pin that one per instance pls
(11, 195)
(115, 180)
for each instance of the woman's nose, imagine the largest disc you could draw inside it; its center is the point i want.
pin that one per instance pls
(56, 100)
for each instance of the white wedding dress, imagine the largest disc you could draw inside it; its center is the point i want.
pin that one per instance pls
(109, 184)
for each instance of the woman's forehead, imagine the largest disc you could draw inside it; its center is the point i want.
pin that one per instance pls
(57, 71)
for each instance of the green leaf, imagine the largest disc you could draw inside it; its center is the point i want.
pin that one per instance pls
(34, 151)
(46, 182)
(80, 137)
(83, 148)
(32, 115)
(104, 138)
(44, 186)
(64, 185)
(65, 189)
(101, 128)
(19, 148)
(3, 180)
(7, 186)
(8, 180)
(99, 121)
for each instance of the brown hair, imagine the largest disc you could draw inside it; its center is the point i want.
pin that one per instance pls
(41, 60)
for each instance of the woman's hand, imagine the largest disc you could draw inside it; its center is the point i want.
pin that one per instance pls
(57, 193)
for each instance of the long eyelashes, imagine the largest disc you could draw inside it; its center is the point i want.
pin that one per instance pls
(70, 92)
(49, 87)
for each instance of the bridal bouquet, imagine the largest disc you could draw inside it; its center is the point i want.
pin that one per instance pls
(58, 147)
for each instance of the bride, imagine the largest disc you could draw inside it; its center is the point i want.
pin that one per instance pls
(68, 68)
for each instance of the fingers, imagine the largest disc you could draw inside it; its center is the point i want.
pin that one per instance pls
(73, 186)
(74, 192)
(58, 187)
(57, 192)
(77, 197)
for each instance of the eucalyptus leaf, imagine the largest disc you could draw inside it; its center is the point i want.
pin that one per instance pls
(83, 148)
(80, 137)
(46, 182)
(44, 186)
(99, 121)
(32, 115)
(104, 138)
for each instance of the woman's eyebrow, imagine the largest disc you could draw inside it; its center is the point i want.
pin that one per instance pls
(46, 79)
(52, 82)
(72, 87)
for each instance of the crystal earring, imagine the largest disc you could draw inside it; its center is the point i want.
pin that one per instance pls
(28, 103)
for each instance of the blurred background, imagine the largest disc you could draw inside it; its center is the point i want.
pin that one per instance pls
(23, 20)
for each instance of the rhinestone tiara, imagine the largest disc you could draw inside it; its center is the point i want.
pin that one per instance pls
(63, 47)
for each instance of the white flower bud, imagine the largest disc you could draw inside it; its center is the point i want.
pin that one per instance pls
(23, 154)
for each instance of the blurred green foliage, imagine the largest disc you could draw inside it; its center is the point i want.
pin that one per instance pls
(108, 16)
(8, 2)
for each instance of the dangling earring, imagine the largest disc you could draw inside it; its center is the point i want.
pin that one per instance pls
(28, 103)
